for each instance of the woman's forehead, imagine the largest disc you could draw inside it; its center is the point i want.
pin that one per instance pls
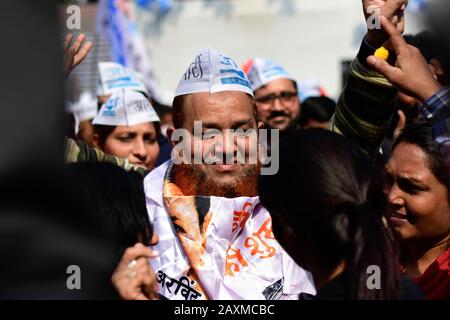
(407, 158)
(142, 127)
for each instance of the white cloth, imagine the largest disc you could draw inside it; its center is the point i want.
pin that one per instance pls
(212, 71)
(114, 77)
(309, 88)
(126, 108)
(85, 108)
(116, 22)
(261, 71)
(275, 278)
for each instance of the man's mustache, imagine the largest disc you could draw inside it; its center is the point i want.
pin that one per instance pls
(275, 114)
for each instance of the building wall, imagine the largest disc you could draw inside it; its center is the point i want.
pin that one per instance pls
(309, 38)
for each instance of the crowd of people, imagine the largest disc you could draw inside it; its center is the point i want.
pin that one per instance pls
(359, 207)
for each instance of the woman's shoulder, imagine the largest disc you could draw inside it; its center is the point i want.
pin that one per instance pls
(444, 260)
(435, 281)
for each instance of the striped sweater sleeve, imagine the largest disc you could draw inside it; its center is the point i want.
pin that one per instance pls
(79, 151)
(366, 105)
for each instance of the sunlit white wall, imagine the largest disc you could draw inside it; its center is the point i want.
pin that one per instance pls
(309, 38)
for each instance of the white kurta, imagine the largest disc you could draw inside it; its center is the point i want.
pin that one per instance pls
(241, 260)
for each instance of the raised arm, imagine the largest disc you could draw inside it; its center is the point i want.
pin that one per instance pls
(74, 54)
(80, 151)
(367, 102)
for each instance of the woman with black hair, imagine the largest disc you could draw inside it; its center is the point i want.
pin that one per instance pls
(418, 193)
(328, 211)
(117, 197)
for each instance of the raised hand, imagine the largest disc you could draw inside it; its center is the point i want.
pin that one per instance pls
(393, 10)
(75, 54)
(411, 73)
(133, 278)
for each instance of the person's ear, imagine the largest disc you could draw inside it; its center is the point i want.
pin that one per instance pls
(96, 141)
(260, 125)
(169, 132)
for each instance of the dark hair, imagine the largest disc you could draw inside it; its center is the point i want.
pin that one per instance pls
(161, 109)
(421, 134)
(178, 111)
(437, 21)
(425, 42)
(318, 108)
(117, 196)
(104, 131)
(179, 104)
(48, 230)
(328, 196)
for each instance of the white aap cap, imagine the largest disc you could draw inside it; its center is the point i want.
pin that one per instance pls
(126, 108)
(261, 71)
(85, 108)
(114, 77)
(212, 71)
(310, 88)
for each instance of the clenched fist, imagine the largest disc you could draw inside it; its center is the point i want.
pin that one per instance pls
(393, 10)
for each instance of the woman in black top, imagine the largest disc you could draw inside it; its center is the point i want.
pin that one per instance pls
(328, 210)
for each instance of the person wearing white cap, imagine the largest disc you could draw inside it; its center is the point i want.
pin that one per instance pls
(215, 238)
(276, 93)
(127, 126)
(113, 77)
(84, 110)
